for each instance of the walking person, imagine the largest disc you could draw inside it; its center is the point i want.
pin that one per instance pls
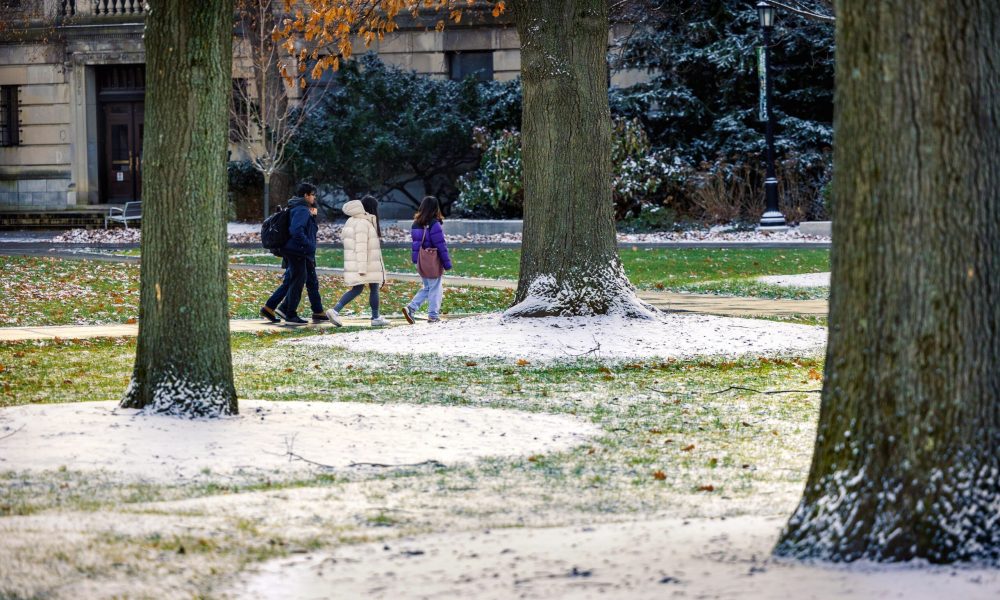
(427, 233)
(362, 258)
(298, 256)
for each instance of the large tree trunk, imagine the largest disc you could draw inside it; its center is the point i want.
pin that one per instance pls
(183, 363)
(569, 257)
(907, 457)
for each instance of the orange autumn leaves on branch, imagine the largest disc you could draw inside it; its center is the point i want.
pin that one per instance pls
(323, 32)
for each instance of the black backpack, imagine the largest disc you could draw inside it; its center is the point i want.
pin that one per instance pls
(274, 231)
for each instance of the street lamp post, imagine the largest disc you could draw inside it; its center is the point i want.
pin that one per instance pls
(772, 216)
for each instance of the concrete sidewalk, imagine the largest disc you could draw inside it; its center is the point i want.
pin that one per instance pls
(666, 301)
(80, 332)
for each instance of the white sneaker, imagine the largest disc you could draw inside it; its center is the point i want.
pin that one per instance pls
(334, 317)
(379, 322)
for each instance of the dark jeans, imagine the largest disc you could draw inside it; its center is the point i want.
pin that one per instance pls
(306, 274)
(354, 292)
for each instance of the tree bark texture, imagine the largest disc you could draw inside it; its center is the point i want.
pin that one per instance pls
(183, 361)
(569, 256)
(907, 456)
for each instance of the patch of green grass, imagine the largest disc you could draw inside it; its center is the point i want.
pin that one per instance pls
(796, 319)
(756, 289)
(647, 268)
(50, 291)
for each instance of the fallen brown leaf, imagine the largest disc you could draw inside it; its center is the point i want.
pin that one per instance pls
(659, 475)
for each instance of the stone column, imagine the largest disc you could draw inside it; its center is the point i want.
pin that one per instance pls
(83, 132)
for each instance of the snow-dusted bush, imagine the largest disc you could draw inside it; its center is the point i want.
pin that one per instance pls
(496, 189)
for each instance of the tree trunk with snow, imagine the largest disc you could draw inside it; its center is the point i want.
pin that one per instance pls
(183, 361)
(907, 457)
(569, 257)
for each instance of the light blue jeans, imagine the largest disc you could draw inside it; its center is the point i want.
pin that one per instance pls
(432, 293)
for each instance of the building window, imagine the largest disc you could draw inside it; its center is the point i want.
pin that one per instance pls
(8, 116)
(475, 64)
(121, 78)
(315, 89)
(239, 116)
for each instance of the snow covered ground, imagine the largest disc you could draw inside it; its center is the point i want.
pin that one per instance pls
(803, 280)
(568, 338)
(89, 436)
(698, 558)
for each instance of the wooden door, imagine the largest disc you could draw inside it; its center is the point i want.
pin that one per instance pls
(137, 116)
(123, 125)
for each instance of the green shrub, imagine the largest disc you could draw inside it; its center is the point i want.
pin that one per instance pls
(381, 128)
(496, 189)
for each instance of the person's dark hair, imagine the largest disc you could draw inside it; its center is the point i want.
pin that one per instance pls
(429, 211)
(370, 204)
(305, 188)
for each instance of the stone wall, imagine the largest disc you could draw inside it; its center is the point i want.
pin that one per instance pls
(36, 173)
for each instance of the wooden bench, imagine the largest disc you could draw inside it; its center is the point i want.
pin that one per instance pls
(131, 212)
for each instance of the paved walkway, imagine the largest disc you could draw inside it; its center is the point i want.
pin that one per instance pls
(79, 332)
(668, 301)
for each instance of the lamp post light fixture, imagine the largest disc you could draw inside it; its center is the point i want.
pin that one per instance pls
(772, 217)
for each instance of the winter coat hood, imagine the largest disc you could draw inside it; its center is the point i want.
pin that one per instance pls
(297, 201)
(354, 208)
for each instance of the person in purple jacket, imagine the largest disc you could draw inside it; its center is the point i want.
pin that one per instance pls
(428, 232)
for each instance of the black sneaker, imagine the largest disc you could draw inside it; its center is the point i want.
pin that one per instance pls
(268, 313)
(319, 317)
(408, 315)
(295, 321)
(281, 313)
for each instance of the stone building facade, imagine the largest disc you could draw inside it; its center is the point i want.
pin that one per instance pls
(72, 89)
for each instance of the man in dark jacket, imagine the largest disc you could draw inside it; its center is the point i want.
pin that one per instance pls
(299, 259)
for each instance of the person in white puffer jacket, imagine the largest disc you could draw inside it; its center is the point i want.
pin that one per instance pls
(362, 258)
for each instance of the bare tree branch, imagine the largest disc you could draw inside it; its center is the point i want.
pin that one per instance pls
(802, 12)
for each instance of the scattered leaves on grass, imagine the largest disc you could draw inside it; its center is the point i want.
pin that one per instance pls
(522, 362)
(687, 448)
(471, 363)
(815, 375)
(659, 475)
(706, 488)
